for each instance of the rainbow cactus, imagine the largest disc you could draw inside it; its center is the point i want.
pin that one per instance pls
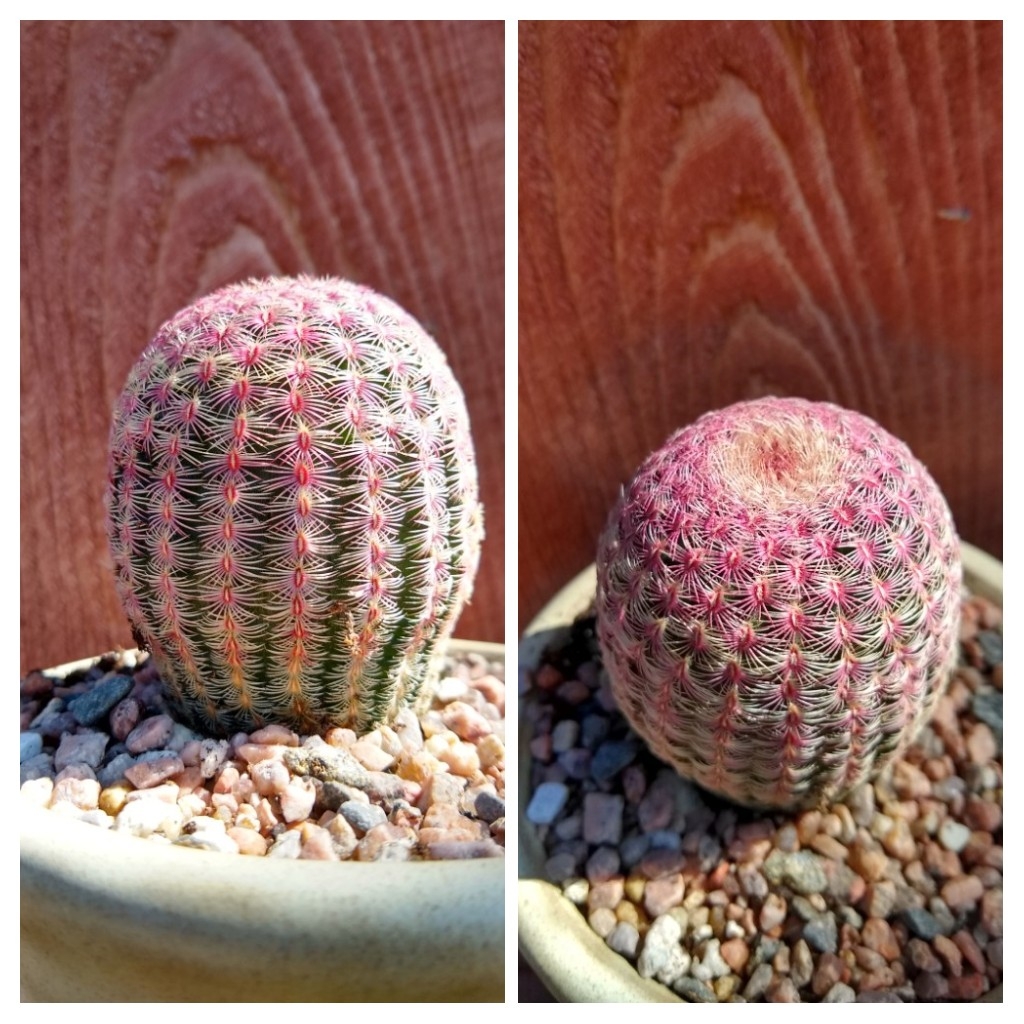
(778, 601)
(292, 505)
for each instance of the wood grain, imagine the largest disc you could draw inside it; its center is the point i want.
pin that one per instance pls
(713, 211)
(162, 160)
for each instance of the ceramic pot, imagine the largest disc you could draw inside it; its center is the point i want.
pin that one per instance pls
(107, 917)
(571, 960)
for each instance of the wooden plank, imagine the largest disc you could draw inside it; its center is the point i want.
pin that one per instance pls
(714, 211)
(162, 160)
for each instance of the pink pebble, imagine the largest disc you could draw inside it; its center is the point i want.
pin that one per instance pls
(227, 780)
(83, 793)
(370, 756)
(297, 800)
(317, 845)
(125, 717)
(465, 722)
(146, 774)
(253, 752)
(269, 777)
(150, 734)
(249, 841)
(271, 734)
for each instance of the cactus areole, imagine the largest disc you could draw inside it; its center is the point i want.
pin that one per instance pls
(292, 506)
(778, 601)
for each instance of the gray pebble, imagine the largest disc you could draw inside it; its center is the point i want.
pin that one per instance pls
(564, 735)
(113, 771)
(991, 644)
(593, 730)
(921, 923)
(764, 951)
(947, 921)
(802, 872)
(665, 839)
(801, 964)
(840, 993)
(695, 991)
(759, 981)
(576, 763)
(89, 707)
(610, 758)
(488, 806)
(624, 939)
(547, 802)
(362, 817)
(31, 745)
(38, 767)
(288, 845)
(561, 867)
(329, 764)
(822, 933)
(633, 848)
(987, 707)
(602, 818)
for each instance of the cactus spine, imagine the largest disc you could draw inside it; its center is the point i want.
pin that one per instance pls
(292, 505)
(778, 601)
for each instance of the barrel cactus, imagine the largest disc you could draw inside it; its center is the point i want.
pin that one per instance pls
(292, 505)
(778, 601)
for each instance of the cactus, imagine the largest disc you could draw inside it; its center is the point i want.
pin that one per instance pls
(292, 506)
(778, 601)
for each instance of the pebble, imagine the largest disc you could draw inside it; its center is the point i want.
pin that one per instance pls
(362, 817)
(151, 776)
(694, 990)
(921, 923)
(31, 745)
(89, 707)
(83, 748)
(839, 993)
(602, 818)
(801, 871)
(954, 835)
(610, 758)
(822, 933)
(547, 802)
(150, 734)
(847, 903)
(624, 939)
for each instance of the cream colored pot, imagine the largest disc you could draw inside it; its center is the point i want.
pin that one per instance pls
(554, 936)
(107, 917)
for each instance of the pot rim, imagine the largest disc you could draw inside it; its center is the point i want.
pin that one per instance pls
(341, 930)
(585, 969)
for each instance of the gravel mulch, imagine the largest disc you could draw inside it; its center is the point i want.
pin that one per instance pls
(894, 895)
(99, 746)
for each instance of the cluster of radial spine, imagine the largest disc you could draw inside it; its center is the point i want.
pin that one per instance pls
(778, 601)
(292, 505)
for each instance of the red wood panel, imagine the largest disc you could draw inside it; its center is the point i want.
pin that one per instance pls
(713, 211)
(162, 160)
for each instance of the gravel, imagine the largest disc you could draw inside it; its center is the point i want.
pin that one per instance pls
(893, 895)
(100, 746)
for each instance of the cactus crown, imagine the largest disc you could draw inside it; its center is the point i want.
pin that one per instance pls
(292, 505)
(778, 600)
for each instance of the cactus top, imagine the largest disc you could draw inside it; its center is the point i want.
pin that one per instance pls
(778, 600)
(292, 504)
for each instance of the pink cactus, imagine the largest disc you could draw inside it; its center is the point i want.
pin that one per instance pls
(292, 505)
(778, 601)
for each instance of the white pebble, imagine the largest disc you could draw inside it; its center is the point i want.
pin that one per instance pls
(37, 792)
(146, 817)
